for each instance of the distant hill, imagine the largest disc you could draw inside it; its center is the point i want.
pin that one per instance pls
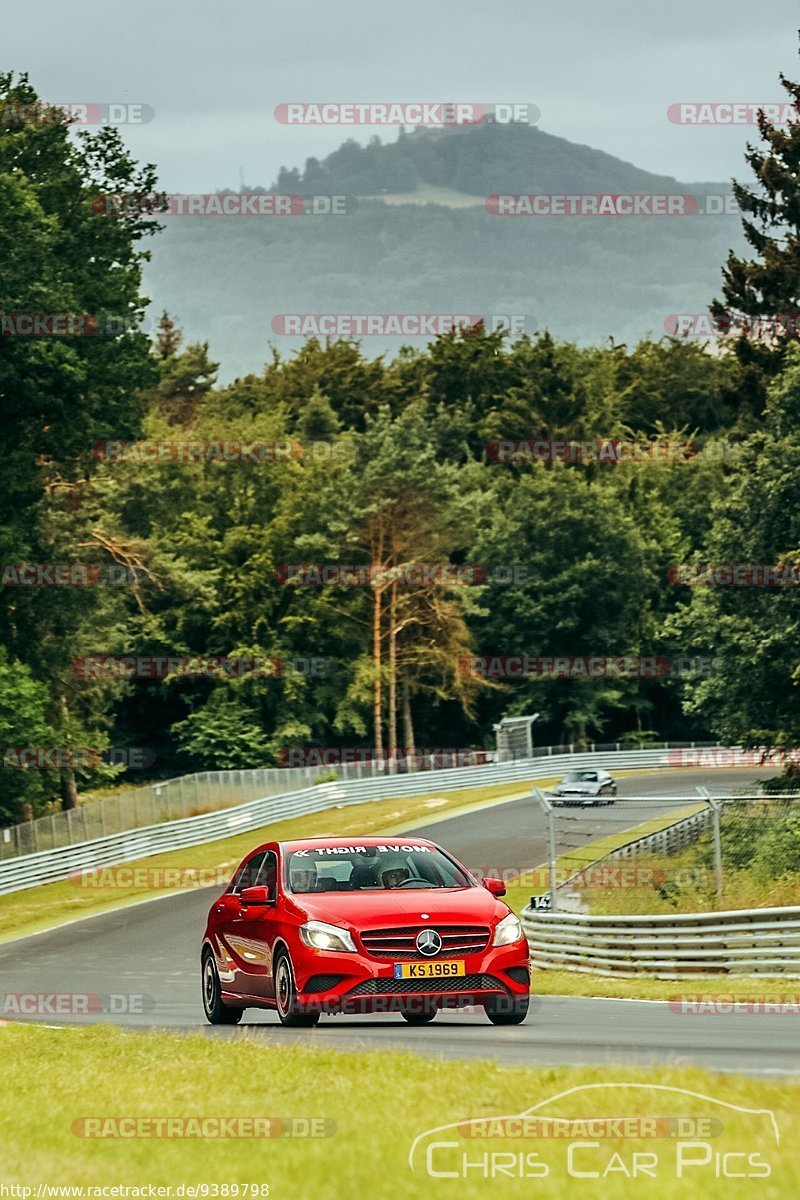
(478, 161)
(421, 241)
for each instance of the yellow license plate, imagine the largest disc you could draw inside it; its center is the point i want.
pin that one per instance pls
(429, 970)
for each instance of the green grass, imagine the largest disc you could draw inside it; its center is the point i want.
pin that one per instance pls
(753, 987)
(380, 1103)
(52, 904)
(685, 883)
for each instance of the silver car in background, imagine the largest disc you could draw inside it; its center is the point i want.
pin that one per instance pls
(588, 787)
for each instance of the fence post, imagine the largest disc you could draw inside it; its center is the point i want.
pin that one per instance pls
(551, 845)
(551, 837)
(717, 809)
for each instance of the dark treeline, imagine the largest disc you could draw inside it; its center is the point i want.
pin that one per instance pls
(388, 470)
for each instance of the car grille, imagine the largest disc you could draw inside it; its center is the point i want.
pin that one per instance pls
(401, 941)
(400, 987)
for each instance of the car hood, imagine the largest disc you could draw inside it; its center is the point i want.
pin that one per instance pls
(373, 910)
(580, 788)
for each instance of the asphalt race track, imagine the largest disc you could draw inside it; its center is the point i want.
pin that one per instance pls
(151, 951)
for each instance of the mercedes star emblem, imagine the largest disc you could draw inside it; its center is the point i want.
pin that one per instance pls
(429, 942)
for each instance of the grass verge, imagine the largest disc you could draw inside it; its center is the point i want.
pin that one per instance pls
(379, 1104)
(743, 987)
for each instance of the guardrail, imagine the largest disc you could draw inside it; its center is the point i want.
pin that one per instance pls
(763, 941)
(31, 870)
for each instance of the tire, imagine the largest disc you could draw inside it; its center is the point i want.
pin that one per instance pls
(216, 1012)
(289, 1012)
(507, 1010)
(420, 1016)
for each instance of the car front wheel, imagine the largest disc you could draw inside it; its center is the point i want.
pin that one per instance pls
(289, 1011)
(507, 1010)
(419, 1014)
(216, 1012)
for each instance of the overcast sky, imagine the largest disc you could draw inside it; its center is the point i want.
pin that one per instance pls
(601, 74)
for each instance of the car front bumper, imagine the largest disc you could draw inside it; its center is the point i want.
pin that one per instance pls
(328, 981)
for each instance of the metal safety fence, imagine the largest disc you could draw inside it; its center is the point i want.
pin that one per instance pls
(761, 941)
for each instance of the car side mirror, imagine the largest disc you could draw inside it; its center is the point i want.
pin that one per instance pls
(256, 896)
(495, 886)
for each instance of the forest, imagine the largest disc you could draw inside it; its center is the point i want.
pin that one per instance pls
(334, 551)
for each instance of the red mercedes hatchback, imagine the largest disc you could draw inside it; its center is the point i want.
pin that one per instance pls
(362, 926)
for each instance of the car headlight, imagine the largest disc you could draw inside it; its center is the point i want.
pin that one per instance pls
(507, 931)
(320, 936)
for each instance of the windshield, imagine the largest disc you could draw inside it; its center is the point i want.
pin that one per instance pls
(581, 777)
(372, 868)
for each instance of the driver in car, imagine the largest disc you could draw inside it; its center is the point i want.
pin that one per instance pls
(395, 877)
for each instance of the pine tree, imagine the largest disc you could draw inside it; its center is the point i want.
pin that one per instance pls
(768, 285)
(168, 337)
